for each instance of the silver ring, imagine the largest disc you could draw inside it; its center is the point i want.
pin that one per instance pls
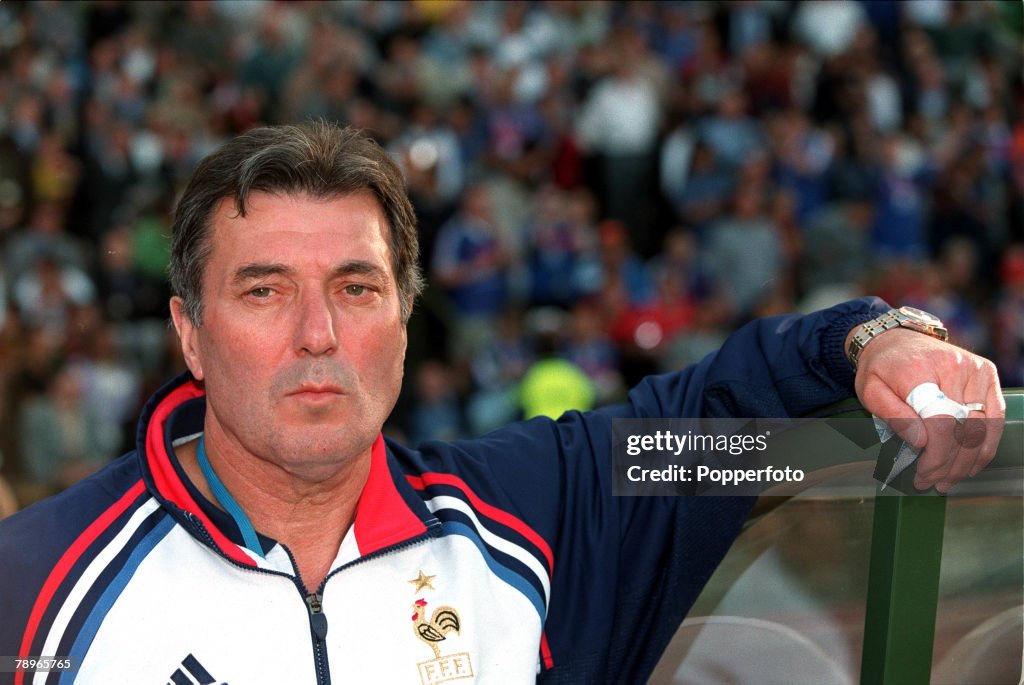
(974, 406)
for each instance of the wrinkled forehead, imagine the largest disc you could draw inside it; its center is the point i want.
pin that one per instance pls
(280, 228)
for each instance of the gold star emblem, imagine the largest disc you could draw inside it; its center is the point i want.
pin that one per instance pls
(422, 581)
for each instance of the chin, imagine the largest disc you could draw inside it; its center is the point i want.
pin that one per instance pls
(310, 451)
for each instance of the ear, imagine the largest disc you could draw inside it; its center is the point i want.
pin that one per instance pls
(188, 335)
(409, 303)
(405, 342)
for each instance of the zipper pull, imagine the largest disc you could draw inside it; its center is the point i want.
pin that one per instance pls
(317, 619)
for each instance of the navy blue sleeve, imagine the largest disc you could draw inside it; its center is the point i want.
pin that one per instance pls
(38, 562)
(626, 570)
(783, 366)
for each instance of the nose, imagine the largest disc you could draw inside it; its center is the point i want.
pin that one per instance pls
(314, 327)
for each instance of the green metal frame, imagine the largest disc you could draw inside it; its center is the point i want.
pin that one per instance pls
(903, 580)
(903, 589)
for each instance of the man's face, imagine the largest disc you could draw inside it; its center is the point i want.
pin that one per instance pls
(302, 342)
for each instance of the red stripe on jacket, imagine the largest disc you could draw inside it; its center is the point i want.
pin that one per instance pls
(63, 566)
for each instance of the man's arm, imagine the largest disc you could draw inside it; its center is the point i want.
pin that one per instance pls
(627, 569)
(789, 366)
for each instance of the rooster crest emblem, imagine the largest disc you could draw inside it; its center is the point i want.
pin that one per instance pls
(434, 629)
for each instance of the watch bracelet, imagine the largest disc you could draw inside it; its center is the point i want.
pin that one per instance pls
(868, 331)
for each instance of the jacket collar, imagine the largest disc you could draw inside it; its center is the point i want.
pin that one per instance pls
(389, 510)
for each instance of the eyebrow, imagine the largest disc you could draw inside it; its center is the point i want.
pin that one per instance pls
(354, 267)
(358, 267)
(250, 272)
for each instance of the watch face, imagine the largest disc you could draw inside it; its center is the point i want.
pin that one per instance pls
(921, 315)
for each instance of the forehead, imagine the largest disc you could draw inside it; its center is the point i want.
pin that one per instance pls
(299, 229)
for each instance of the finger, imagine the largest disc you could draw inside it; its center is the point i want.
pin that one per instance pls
(942, 452)
(900, 417)
(971, 433)
(891, 408)
(993, 419)
(977, 436)
(944, 460)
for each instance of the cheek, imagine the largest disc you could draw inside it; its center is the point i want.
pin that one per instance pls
(237, 363)
(384, 361)
(386, 356)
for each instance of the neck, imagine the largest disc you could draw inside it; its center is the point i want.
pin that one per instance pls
(309, 516)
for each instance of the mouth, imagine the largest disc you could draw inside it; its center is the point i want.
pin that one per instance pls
(316, 392)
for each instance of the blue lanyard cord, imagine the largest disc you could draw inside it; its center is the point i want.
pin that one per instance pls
(228, 502)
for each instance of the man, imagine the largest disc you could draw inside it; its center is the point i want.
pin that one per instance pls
(265, 532)
(471, 264)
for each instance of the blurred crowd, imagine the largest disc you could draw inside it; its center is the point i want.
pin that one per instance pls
(604, 189)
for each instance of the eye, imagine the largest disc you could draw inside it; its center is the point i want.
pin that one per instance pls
(355, 290)
(262, 292)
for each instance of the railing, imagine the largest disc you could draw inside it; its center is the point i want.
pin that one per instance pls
(903, 580)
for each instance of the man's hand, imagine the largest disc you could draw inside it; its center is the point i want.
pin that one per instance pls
(898, 361)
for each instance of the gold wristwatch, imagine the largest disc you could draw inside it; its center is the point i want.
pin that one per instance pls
(904, 317)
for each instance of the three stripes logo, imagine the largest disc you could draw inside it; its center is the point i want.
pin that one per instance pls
(192, 673)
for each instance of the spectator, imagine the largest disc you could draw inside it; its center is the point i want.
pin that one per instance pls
(770, 77)
(943, 281)
(899, 221)
(553, 385)
(706, 190)
(43, 237)
(591, 349)
(111, 390)
(836, 251)
(436, 414)
(471, 264)
(803, 156)
(428, 153)
(883, 99)
(518, 139)
(120, 285)
(745, 251)
(59, 443)
(557, 237)
(621, 270)
(680, 263)
(271, 59)
(55, 172)
(733, 135)
(496, 371)
(709, 69)
(619, 122)
(109, 172)
(675, 156)
(48, 294)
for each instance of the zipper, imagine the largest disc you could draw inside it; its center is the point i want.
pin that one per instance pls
(318, 631)
(312, 600)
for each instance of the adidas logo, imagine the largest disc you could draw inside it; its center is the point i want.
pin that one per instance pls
(192, 673)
